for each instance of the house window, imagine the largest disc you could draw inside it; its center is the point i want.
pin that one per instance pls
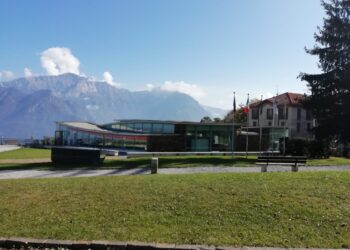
(254, 124)
(299, 114)
(308, 126)
(308, 115)
(255, 114)
(269, 114)
(298, 127)
(283, 113)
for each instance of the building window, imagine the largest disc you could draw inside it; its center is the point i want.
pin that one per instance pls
(308, 126)
(269, 114)
(254, 124)
(308, 115)
(255, 114)
(298, 127)
(270, 123)
(299, 114)
(282, 124)
(283, 113)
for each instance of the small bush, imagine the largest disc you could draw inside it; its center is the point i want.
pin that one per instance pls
(315, 149)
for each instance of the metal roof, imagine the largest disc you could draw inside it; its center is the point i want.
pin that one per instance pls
(172, 122)
(85, 126)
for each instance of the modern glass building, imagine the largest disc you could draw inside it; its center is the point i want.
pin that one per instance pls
(149, 135)
(171, 136)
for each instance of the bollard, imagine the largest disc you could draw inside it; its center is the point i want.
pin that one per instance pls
(263, 168)
(154, 165)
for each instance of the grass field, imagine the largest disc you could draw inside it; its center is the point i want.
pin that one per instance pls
(329, 161)
(26, 153)
(165, 161)
(185, 161)
(274, 209)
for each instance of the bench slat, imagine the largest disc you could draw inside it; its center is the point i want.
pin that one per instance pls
(281, 160)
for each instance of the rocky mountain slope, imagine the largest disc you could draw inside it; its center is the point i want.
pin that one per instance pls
(30, 106)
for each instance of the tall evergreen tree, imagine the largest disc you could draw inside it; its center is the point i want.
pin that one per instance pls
(330, 90)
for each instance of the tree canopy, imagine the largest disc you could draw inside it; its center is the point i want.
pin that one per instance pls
(330, 90)
(239, 115)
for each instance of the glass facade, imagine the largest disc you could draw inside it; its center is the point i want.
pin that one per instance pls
(142, 127)
(208, 137)
(137, 133)
(274, 137)
(68, 135)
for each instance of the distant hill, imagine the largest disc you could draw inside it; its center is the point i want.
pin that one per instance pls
(216, 112)
(30, 106)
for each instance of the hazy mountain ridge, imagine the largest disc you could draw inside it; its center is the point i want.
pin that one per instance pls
(30, 106)
(216, 112)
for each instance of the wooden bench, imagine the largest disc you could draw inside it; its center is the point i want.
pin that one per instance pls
(77, 155)
(293, 161)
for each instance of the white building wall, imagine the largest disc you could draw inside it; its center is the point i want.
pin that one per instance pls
(291, 123)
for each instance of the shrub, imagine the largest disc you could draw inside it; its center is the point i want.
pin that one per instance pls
(309, 148)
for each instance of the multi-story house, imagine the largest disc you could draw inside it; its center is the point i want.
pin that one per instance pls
(283, 111)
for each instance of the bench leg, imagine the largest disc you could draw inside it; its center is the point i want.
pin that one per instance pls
(263, 168)
(295, 168)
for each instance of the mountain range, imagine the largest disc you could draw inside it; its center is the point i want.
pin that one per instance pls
(30, 106)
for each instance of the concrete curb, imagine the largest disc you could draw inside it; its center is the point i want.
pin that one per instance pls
(25, 243)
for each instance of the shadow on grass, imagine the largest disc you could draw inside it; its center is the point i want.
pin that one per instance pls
(179, 162)
(164, 162)
(205, 161)
(51, 166)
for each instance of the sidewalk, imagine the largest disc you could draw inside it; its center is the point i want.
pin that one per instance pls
(20, 174)
(4, 148)
(18, 243)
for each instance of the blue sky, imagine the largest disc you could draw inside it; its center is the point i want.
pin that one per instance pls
(203, 47)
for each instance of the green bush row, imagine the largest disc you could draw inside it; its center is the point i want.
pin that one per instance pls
(310, 148)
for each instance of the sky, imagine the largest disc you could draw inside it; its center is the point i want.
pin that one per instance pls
(204, 48)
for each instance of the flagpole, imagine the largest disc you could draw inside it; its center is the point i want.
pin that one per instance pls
(284, 129)
(273, 111)
(233, 123)
(247, 140)
(260, 134)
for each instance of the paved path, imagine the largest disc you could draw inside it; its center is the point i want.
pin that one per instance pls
(4, 148)
(18, 174)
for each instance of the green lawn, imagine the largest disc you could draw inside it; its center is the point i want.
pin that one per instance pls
(184, 161)
(329, 161)
(164, 161)
(193, 161)
(26, 153)
(273, 209)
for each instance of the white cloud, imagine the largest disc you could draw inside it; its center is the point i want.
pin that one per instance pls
(265, 95)
(7, 75)
(150, 86)
(58, 61)
(183, 87)
(108, 78)
(27, 72)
